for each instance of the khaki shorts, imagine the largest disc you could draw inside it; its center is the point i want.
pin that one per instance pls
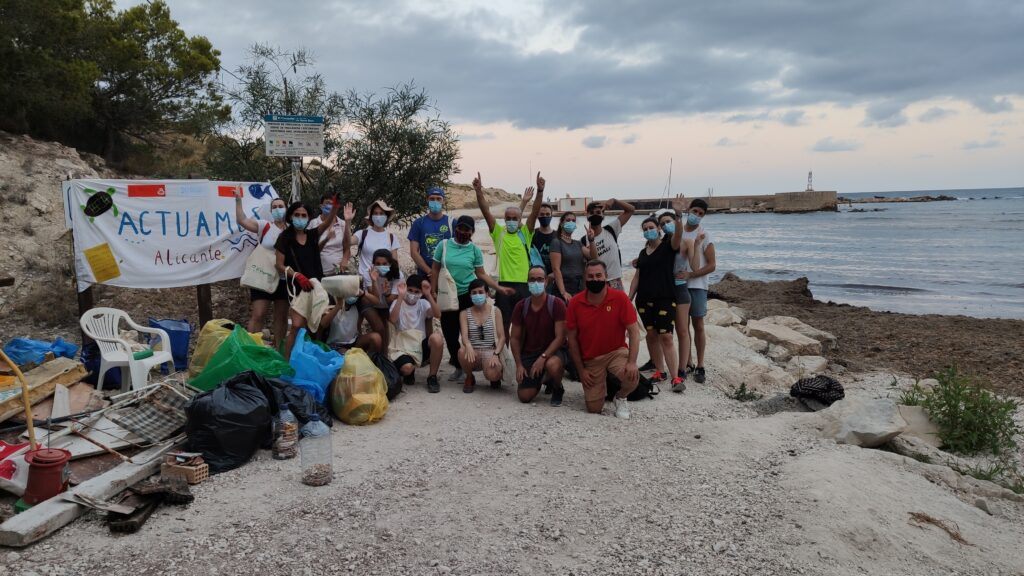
(614, 362)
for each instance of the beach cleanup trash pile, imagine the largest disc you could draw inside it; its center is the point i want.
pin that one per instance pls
(359, 393)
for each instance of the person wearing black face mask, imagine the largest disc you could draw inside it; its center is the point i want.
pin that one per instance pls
(606, 236)
(544, 235)
(598, 321)
(465, 262)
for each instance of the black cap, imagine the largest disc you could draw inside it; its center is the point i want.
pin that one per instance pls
(466, 220)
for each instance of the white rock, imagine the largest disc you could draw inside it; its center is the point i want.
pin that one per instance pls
(796, 325)
(806, 366)
(863, 422)
(722, 317)
(780, 354)
(783, 336)
(985, 505)
(717, 305)
(928, 383)
(919, 426)
(741, 312)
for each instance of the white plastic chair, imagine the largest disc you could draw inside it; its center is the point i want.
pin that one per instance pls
(101, 324)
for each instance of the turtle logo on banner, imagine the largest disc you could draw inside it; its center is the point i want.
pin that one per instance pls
(99, 203)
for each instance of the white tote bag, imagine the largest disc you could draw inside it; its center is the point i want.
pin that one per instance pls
(447, 289)
(261, 267)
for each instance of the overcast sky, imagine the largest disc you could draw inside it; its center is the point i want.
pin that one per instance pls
(745, 96)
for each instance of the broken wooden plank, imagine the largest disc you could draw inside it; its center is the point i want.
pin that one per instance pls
(47, 517)
(61, 402)
(83, 397)
(41, 383)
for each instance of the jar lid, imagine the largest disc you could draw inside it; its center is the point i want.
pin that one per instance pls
(49, 456)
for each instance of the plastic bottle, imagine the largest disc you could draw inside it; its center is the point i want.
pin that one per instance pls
(316, 453)
(287, 439)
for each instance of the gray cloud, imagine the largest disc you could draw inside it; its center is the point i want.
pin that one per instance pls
(934, 114)
(477, 137)
(976, 145)
(725, 142)
(631, 139)
(990, 105)
(830, 144)
(595, 141)
(664, 57)
(787, 118)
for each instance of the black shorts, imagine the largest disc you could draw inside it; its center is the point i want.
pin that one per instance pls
(280, 294)
(659, 316)
(682, 294)
(528, 362)
(406, 359)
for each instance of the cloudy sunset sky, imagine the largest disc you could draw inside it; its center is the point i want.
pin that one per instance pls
(745, 96)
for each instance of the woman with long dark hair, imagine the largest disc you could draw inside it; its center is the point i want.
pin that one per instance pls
(298, 257)
(569, 256)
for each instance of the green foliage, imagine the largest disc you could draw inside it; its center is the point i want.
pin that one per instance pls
(392, 146)
(79, 72)
(913, 397)
(743, 394)
(970, 419)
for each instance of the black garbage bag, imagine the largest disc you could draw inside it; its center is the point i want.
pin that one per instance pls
(819, 389)
(229, 423)
(644, 389)
(300, 402)
(391, 376)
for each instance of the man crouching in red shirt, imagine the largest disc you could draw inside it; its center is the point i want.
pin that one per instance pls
(598, 320)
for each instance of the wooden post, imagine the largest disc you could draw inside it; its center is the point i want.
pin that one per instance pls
(205, 304)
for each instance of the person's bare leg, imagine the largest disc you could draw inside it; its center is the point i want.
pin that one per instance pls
(258, 311)
(436, 344)
(668, 351)
(699, 338)
(407, 369)
(683, 333)
(492, 369)
(657, 355)
(464, 362)
(298, 322)
(526, 395)
(555, 369)
(373, 317)
(369, 342)
(280, 314)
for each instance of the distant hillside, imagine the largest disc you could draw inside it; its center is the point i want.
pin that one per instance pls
(462, 196)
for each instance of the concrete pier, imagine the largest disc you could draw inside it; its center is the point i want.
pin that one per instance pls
(782, 202)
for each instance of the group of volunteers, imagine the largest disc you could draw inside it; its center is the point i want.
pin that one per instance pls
(560, 307)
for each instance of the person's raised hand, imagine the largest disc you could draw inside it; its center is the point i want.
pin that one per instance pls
(679, 204)
(590, 234)
(540, 183)
(528, 194)
(350, 212)
(700, 239)
(478, 183)
(374, 275)
(238, 191)
(402, 289)
(425, 287)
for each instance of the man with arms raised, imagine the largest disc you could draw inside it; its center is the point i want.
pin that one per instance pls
(606, 236)
(598, 320)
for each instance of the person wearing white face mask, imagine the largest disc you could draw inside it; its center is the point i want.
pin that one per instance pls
(267, 233)
(372, 238)
(409, 343)
(511, 246)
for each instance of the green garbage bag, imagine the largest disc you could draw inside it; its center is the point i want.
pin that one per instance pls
(238, 353)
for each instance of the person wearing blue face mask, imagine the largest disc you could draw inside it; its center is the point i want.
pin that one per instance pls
(568, 257)
(511, 246)
(333, 255)
(685, 261)
(537, 340)
(697, 278)
(374, 237)
(482, 338)
(385, 276)
(653, 288)
(267, 232)
(344, 334)
(428, 231)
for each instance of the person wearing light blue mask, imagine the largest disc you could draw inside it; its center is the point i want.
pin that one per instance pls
(512, 246)
(537, 340)
(428, 231)
(482, 338)
(684, 262)
(385, 275)
(569, 257)
(267, 232)
(333, 255)
(703, 264)
(369, 240)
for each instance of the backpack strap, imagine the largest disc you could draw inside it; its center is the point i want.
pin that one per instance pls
(550, 301)
(611, 231)
(362, 241)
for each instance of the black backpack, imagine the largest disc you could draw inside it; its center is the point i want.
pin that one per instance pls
(644, 389)
(820, 388)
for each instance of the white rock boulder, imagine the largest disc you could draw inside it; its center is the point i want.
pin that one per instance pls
(920, 426)
(806, 366)
(865, 422)
(780, 354)
(827, 339)
(722, 317)
(717, 305)
(794, 341)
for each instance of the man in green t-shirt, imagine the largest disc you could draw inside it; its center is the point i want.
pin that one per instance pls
(512, 246)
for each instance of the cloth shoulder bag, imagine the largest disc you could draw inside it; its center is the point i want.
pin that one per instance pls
(261, 267)
(508, 362)
(447, 289)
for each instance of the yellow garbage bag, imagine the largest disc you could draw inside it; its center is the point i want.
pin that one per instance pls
(210, 338)
(359, 394)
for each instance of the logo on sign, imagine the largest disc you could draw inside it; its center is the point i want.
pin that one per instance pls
(147, 191)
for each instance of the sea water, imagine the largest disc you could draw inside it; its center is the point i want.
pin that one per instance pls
(952, 257)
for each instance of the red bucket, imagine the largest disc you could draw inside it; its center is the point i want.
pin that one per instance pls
(48, 474)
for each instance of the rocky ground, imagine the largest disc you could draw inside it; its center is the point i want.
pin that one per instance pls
(868, 340)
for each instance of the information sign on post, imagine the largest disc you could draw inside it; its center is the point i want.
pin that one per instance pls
(294, 136)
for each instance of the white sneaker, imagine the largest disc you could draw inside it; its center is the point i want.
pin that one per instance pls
(621, 408)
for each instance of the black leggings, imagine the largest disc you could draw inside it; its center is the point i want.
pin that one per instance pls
(451, 329)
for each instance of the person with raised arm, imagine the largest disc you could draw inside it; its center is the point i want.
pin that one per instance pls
(606, 236)
(411, 312)
(568, 257)
(260, 301)
(369, 240)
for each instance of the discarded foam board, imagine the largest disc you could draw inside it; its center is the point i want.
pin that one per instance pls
(41, 383)
(47, 517)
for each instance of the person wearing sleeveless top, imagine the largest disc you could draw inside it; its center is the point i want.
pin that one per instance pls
(481, 341)
(267, 232)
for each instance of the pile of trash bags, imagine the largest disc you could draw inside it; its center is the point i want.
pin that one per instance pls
(237, 353)
(359, 394)
(21, 351)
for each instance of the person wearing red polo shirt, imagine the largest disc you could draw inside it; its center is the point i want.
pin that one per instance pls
(598, 320)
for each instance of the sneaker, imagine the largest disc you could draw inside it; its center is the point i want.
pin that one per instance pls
(678, 386)
(496, 384)
(457, 375)
(433, 386)
(469, 385)
(698, 375)
(649, 366)
(658, 376)
(556, 396)
(621, 408)
(409, 380)
(681, 373)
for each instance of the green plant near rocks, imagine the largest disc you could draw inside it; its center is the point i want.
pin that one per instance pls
(970, 419)
(915, 396)
(743, 394)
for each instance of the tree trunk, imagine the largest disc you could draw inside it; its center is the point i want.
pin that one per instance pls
(108, 144)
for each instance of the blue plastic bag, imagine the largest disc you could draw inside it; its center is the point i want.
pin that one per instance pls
(315, 368)
(91, 359)
(24, 350)
(180, 332)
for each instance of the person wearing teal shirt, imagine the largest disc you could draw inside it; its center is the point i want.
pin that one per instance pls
(512, 246)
